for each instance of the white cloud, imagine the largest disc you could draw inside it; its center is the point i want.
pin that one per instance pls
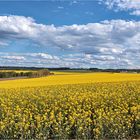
(89, 13)
(106, 44)
(13, 57)
(60, 7)
(71, 60)
(136, 12)
(73, 2)
(19, 27)
(132, 6)
(3, 44)
(43, 56)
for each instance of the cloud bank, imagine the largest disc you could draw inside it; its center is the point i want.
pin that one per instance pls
(114, 43)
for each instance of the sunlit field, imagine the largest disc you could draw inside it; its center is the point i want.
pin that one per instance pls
(61, 78)
(71, 106)
(15, 71)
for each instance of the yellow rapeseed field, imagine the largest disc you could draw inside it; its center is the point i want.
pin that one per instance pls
(17, 71)
(62, 78)
(71, 106)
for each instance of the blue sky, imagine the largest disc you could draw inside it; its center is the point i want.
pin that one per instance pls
(65, 12)
(70, 33)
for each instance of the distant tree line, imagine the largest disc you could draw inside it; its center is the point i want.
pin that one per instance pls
(31, 68)
(29, 74)
(20, 68)
(115, 70)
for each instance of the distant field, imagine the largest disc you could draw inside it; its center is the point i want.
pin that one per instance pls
(68, 72)
(15, 71)
(61, 78)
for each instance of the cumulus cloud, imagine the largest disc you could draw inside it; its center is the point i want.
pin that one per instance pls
(132, 6)
(114, 43)
(19, 27)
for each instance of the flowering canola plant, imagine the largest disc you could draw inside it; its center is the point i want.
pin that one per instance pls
(71, 111)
